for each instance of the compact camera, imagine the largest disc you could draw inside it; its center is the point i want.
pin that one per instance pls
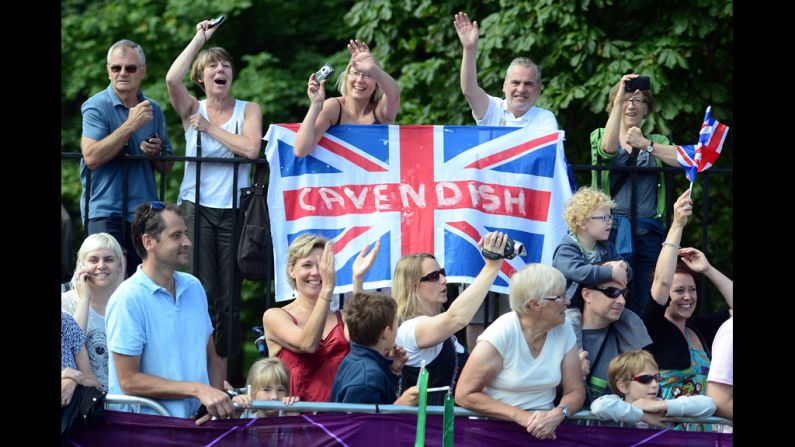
(639, 83)
(324, 72)
(512, 249)
(149, 138)
(217, 21)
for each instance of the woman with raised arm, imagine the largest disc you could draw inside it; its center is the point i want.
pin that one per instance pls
(426, 331)
(680, 346)
(369, 96)
(227, 127)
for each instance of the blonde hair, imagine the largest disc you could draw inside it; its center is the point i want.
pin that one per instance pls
(625, 366)
(263, 372)
(98, 241)
(579, 208)
(214, 54)
(300, 248)
(408, 272)
(342, 83)
(533, 282)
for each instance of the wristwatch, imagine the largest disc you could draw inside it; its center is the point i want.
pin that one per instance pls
(565, 410)
(650, 147)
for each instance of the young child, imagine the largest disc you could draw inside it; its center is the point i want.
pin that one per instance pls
(588, 216)
(269, 380)
(634, 377)
(369, 373)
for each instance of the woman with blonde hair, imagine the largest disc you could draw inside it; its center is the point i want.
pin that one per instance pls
(426, 331)
(369, 96)
(99, 271)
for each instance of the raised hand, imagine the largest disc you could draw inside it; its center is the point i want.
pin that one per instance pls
(316, 91)
(493, 242)
(468, 32)
(363, 60)
(363, 262)
(203, 29)
(694, 259)
(140, 114)
(328, 272)
(683, 208)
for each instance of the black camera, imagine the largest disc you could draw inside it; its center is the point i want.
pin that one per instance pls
(512, 249)
(149, 138)
(639, 83)
(324, 72)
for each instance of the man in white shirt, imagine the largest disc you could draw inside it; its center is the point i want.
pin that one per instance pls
(521, 87)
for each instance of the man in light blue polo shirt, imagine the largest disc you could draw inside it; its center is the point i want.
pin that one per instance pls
(158, 328)
(116, 121)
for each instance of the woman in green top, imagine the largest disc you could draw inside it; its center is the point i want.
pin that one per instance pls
(623, 143)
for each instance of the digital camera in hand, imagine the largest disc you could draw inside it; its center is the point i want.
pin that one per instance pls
(217, 21)
(324, 72)
(639, 83)
(512, 249)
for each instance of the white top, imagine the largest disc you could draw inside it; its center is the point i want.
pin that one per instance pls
(96, 340)
(721, 369)
(524, 381)
(407, 339)
(216, 178)
(612, 407)
(497, 114)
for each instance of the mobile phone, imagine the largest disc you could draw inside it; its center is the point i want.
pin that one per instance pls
(217, 21)
(149, 138)
(639, 83)
(324, 72)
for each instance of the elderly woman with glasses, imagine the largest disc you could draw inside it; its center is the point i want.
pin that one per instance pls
(521, 359)
(426, 331)
(682, 342)
(369, 96)
(621, 143)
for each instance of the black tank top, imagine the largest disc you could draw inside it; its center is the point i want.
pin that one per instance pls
(339, 117)
(441, 372)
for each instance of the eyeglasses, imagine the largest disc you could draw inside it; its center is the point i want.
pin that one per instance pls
(605, 218)
(556, 299)
(433, 276)
(611, 292)
(647, 378)
(353, 73)
(115, 68)
(156, 205)
(635, 101)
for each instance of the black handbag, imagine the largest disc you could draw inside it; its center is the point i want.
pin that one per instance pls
(255, 248)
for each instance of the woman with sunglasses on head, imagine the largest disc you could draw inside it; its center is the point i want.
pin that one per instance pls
(427, 331)
(621, 143)
(227, 128)
(522, 358)
(680, 346)
(369, 96)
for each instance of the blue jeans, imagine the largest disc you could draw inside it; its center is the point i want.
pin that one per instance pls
(113, 226)
(646, 246)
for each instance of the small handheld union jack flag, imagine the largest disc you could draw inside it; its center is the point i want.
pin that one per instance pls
(702, 155)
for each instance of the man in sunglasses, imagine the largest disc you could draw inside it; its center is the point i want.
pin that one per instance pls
(608, 329)
(158, 327)
(120, 121)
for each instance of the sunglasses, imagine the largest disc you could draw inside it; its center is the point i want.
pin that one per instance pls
(128, 68)
(433, 276)
(611, 292)
(156, 205)
(647, 378)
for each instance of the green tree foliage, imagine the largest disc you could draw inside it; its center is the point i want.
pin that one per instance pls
(583, 47)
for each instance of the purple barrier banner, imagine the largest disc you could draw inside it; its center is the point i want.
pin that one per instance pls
(129, 429)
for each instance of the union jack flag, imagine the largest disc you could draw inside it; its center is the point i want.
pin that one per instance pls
(702, 155)
(433, 189)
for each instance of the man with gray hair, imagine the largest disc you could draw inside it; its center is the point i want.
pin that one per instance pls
(116, 121)
(521, 87)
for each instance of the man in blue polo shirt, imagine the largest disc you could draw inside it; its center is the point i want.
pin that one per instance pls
(159, 331)
(116, 121)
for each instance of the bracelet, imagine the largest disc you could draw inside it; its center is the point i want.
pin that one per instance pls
(672, 245)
